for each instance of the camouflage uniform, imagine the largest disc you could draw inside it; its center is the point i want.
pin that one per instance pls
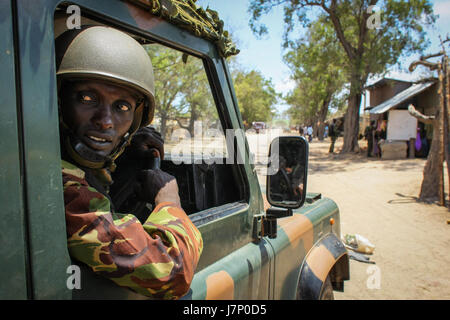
(156, 258)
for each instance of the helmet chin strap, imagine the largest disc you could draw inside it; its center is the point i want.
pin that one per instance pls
(88, 158)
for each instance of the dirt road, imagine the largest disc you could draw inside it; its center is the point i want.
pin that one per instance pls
(376, 199)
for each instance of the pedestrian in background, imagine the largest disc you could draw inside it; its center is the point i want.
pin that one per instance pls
(368, 135)
(310, 133)
(334, 132)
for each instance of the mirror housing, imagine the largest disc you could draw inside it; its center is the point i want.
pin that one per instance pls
(287, 172)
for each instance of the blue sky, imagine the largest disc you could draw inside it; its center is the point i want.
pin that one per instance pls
(265, 54)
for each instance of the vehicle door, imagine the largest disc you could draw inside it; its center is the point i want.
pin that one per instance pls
(220, 192)
(13, 251)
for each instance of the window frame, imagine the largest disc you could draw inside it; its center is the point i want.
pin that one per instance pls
(182, 41)
(44, 205)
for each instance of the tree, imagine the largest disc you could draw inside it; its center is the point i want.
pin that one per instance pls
(168, 82)
(372, 41)
(182, 89)
(300, 110)
(317, 63)
(432, 187)
(197, 102)
(255, 96)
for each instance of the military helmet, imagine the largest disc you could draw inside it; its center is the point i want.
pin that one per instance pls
(104, 53)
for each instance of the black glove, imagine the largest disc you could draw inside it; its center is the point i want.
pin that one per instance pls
(143, 141)
(137, 156)
(150, 182)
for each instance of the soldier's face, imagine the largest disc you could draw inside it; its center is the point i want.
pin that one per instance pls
(99, 113)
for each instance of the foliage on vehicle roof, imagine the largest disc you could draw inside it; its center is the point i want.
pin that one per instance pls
(204, 23)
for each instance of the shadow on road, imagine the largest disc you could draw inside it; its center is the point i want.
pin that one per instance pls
(404, 199)
(413, 199)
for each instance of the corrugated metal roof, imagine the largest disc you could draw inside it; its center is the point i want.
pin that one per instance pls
(384, 81)
(401, 97)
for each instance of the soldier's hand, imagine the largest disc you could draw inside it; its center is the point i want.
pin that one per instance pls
(157, 186)
(144, 140)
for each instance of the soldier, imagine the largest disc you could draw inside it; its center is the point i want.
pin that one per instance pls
(333, 136)
(334, 133)
(106, 96)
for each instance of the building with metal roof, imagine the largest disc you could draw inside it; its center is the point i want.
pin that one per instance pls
(389, 101)
(401, 98)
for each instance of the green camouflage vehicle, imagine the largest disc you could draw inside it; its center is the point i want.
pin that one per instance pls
(289, 251)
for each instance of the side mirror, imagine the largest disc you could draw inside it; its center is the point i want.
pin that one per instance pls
(287, 172)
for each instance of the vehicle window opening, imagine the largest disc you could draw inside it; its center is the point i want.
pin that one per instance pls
(186, 115)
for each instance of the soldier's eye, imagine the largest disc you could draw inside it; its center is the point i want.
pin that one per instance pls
(87, 98)
(123, 106)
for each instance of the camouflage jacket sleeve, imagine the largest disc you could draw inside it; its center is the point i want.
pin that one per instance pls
(157, 258)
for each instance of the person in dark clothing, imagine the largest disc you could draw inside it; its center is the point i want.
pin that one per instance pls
(333, 132)
(368, 135)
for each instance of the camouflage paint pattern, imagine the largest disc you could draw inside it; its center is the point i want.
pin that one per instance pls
(156, 259)
(298, 237)
(326, 254)
(243, 274)
(300, 258)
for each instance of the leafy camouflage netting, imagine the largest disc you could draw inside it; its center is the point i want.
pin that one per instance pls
(186, 14)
